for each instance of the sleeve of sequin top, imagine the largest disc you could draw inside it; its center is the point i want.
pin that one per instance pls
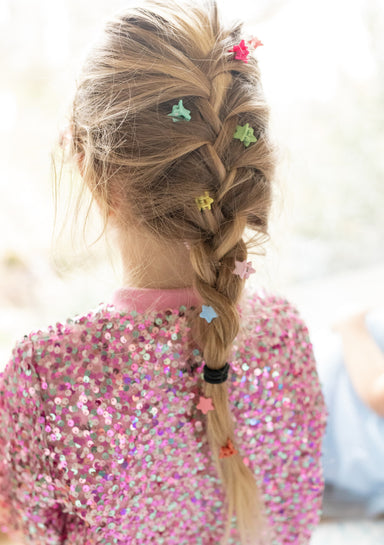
(300, 491)
(27, 504)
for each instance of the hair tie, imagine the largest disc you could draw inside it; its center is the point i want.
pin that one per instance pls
(216, 376)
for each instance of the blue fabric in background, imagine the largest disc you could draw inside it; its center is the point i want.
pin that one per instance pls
(353, 446)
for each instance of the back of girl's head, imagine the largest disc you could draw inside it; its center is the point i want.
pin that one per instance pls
(149, 169)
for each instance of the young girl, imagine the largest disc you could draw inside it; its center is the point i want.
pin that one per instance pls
(184, 410)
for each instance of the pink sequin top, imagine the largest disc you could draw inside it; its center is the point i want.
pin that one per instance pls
(101, 440)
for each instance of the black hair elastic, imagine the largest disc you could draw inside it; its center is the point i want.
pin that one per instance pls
(216, 376)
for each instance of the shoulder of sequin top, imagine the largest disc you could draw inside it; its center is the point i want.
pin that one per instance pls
(106, 327)
(259, 308)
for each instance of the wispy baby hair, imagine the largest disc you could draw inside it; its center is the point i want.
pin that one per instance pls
(150, 169)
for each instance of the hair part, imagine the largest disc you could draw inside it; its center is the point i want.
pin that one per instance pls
(140, 164)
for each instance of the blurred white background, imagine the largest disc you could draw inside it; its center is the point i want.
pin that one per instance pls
(323, 70)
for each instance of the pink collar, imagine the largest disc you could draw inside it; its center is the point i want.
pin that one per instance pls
(146, 299)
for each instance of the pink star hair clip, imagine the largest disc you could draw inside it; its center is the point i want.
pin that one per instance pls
(243, 269)
(254, 42)
(241, 51)
(205, 404)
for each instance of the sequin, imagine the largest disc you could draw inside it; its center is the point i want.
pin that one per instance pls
(101, 440)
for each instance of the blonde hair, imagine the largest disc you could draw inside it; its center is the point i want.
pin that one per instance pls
(135, 158)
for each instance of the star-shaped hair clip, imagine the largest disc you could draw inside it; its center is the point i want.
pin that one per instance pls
(204, 201)
(245, 134)
(241, 51)
(227, 450)
(208, 313)
(243, 269)
(205, 404)
(179, 112)
(254, 42)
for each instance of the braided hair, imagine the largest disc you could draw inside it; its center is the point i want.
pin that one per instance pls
(140, 163)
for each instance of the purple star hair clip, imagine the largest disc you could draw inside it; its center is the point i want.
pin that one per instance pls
(241, 51)
(208, 313)
(243, 269)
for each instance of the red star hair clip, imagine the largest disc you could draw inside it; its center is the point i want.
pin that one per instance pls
(241, 51)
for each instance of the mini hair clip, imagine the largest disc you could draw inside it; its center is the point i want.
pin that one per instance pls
(204, 201)
(205, 404)
(179, 112)
(243, 269)
(241, 51)
(227, 450)
(245, 134)
(254, 42)
(208, 313)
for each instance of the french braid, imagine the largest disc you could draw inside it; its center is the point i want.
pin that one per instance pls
(213, 262)
(148, 58)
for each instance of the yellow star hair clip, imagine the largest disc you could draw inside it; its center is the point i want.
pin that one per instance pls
(245, 134)
(204, 201)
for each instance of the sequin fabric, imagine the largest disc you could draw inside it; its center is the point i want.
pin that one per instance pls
(101, 440)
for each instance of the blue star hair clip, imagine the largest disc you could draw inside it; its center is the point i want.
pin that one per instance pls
(208, 313)
(179, 112)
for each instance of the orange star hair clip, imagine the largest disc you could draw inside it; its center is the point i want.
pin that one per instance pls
(227, 450)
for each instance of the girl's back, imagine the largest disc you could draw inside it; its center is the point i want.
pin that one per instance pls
(168, 424)
(118, 451)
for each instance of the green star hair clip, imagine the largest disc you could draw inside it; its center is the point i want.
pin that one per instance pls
(245, 134)
(179, 112)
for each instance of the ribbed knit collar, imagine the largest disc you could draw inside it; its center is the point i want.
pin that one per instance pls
(147, 299)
